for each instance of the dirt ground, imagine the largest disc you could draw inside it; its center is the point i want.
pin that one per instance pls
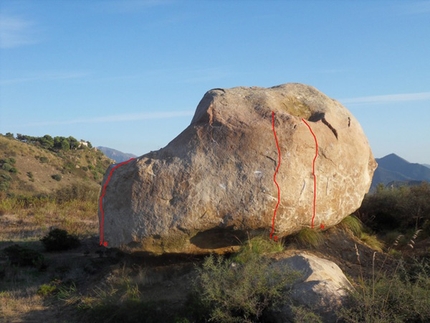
(91, 268)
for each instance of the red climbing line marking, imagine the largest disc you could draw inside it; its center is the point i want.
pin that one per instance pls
(102, 195)
(274, 178)
(314, 206)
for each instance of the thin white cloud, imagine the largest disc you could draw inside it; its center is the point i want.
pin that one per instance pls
(16, 31)
(46, 76)
(390, 98)
(191, 75)
(116, 118)
(179, 75)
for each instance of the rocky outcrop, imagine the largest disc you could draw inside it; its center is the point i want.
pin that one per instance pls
(322, 288)
(213, 185)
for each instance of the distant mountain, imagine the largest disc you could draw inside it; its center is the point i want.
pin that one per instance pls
(116, 155)
(427, 165)
(393, 169)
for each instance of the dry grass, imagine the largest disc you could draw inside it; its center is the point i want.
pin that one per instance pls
(19, 303)
(77, 217)
(19, 298)
(372, 241)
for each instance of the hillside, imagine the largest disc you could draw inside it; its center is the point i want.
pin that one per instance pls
(30, 169)
(393, 169)
(116, 155)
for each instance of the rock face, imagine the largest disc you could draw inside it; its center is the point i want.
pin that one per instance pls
(322, 288)
(213, 185)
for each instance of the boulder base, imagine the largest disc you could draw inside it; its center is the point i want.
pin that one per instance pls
(214, 184)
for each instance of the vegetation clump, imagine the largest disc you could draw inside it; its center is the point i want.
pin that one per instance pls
(46, 289)
(8, 165)
(59, 240)
(402, 296)
(57, 177)
(353, 224)
(308, 238)
(396, 208)
(245, 286)
(235, 292)
(256, 246)
(22, 256)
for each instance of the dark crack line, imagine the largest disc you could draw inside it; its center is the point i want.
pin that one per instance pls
(317, 116)
(324, 120)
(274, 161)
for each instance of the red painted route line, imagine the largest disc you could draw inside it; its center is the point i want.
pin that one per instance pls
(314, 207)
(274, 179)
(102, 195)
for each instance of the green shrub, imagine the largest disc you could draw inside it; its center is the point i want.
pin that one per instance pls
(257, 246)
(5, 177)
(43, 159)
(59, 240)
(234, 292)
(4, 186)
(303, 314)
(22, 256)
(57, 177)
(46, 290)
(9, 168)
(30, 176)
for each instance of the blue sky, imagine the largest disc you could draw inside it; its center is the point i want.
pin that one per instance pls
(129, 74)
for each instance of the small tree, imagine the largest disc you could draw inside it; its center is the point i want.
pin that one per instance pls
(65, 145)
(73, 142)
(47, 142)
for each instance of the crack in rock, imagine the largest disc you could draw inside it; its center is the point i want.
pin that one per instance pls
(321, 116)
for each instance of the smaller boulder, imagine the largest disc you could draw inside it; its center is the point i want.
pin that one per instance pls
(322, 288)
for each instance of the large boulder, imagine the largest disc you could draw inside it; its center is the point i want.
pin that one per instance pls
(214, 184)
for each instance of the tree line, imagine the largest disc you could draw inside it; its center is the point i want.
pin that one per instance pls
(56, 143)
